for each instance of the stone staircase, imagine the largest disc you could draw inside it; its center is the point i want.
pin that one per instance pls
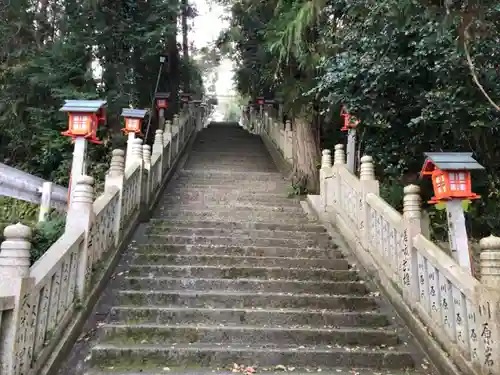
(231, 271)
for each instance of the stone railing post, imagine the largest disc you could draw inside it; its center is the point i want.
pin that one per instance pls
(45, 201)
(199, 119)
(490, 261)
(80, 217)
(161, 118)
(288, 150)
(114, 180)
(15, 280)
(158, 148)
(138, 159)
(167, 145)
(147, 183)
(15, 252)
(175, 130)
(324, 173)
(334, 185)
(339, 155)
(369, 185)
(412, 217)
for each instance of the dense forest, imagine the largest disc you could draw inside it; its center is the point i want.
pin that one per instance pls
(421, 75)
(51, 50)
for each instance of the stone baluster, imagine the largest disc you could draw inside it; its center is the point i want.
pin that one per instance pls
(412, 216)
(114, 180)
(158, 149)
(326, 159)
(158, 142)
(288, 151)
(168, 132)
(147, 182)
(324, 173)
(137, 158)
(176, 134)
(15, 280)
(369, 185)
(80, 217)
(339, 154)
(490, 261)
(367, 169)
(15, 252)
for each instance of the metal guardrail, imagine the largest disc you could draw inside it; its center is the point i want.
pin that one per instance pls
(24, 186)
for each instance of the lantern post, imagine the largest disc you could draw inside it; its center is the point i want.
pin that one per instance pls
(197, 106)
(84, 118)
(451, 181)
(350, 123)
(161, 99)
(185, 99)
(133, 126)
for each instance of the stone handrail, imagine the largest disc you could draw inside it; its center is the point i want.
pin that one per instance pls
(461, 313)
(458, 315)
(41, 302)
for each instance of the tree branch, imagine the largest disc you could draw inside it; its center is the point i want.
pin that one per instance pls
(473, 70)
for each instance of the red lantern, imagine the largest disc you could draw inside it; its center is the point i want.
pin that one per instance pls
(161, 103)
(83, 125)
(450, 174)
(132, 125)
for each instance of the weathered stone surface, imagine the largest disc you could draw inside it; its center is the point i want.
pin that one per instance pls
(229, 270)
(210, 355)
(253, 317)
(219, 272)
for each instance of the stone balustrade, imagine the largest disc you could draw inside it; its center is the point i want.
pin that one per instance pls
(453, 314)
(41, 305)
(459, 312)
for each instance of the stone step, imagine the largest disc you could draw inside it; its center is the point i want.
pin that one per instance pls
(229, 166)
(279, 370)
(216, 174)
(251, 251)
(223, 190)
(271, 183)
(225, 299)
(229, 215)
(158, 334)
(245, 285)
(282, 226)
(226, 232)
(263, 317)
(221, 272)
(209, 355)
(243, 187)
(236, 206)
(171, 239)
(200, 259)
(223, 199)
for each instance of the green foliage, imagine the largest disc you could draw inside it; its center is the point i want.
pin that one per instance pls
(45, 234)
(76, 49)
(399, 66)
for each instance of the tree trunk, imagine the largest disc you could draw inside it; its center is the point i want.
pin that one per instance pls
(185, 43)
(305, 155)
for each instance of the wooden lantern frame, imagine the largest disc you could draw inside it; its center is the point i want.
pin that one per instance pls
(450, 179)
(133, 120)
(84, 118)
